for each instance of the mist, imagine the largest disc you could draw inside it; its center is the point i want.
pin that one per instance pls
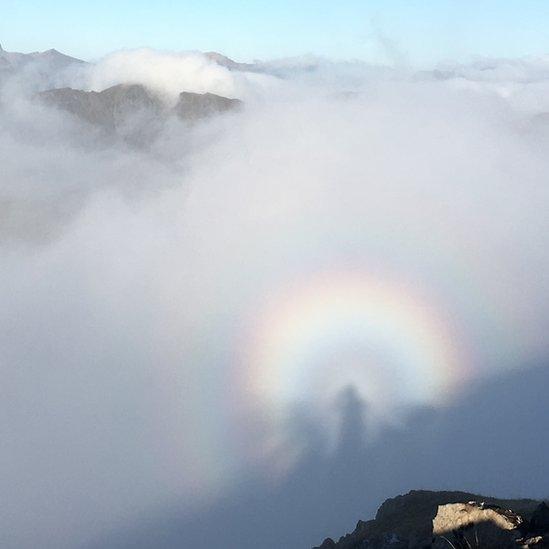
(203, 336)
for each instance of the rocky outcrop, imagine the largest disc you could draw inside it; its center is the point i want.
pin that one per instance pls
(472, 524)
(445, 520)
(53, 58)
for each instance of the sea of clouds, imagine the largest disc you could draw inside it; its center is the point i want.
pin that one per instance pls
(131, 278)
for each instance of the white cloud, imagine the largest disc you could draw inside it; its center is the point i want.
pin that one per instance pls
(121, 330)
(170, 73)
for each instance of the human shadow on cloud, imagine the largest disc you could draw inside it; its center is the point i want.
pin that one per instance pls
(493, 440)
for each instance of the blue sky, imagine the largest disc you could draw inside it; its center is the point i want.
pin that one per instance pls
(420, 32)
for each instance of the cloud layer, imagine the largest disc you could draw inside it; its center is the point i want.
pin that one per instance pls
(137, 286)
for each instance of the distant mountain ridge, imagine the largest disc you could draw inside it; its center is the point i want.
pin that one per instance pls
(53, 60)
(52, 57)
(16, 60)
(228, 63)
(132, 111)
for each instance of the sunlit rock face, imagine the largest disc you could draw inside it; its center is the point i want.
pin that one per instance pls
(476, 523)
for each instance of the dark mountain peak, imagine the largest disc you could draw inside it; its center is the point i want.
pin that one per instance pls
(132, 111)
(424, 519)
(194, 106)
(129, 91)
(109, 109)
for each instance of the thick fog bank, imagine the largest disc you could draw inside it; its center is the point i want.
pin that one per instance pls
(179, 319)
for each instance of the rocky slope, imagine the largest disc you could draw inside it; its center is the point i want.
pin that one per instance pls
(458, 520)
(133, 112)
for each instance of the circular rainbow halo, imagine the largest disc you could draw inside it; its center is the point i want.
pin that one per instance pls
(338, 329)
